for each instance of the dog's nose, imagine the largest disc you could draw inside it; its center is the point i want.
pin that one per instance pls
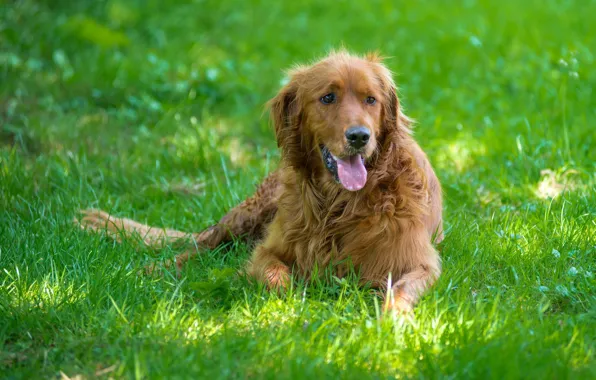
(357, 136)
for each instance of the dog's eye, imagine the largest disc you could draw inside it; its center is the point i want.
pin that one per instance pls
(328, 99)
(370, 100)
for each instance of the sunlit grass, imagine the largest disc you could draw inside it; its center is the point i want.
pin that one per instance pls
(154, 111)
(459, 153)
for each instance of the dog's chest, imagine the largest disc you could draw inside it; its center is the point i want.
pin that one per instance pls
(339, 234)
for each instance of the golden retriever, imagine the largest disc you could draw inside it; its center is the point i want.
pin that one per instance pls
(353, 188)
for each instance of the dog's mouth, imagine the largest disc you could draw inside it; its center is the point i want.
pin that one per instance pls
(349, 171)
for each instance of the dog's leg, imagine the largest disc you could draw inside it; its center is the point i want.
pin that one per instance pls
(266, 267)
(424, 270)
(247, 220)
(269, 263)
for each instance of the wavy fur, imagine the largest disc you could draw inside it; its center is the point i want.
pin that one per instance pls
(302, 219)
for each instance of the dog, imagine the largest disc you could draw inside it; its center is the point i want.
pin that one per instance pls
(353, 188)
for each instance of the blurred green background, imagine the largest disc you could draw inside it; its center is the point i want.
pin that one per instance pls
(154, 110)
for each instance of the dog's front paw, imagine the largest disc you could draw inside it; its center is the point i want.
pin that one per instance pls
(399, 306)
(397, 302)
(277, 277)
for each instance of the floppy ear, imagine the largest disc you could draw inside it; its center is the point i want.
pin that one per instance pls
(393, 117)
(286, 115)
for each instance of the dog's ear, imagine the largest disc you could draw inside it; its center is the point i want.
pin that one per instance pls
(393, 117)
(286, 114)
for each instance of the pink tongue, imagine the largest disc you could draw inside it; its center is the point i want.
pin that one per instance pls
(351, 172)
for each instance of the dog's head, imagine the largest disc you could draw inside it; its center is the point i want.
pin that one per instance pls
(333, 116)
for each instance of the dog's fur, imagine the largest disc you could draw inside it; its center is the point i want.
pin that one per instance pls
(303, 218)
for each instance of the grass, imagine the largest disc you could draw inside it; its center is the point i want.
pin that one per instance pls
(152, 110)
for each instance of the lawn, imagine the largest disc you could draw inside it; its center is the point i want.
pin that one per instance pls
(154, 110)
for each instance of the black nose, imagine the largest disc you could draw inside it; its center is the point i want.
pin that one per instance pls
(357, 136)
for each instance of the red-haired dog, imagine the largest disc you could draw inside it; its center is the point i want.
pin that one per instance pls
(353, 188)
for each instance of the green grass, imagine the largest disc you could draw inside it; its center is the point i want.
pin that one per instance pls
(153, 110)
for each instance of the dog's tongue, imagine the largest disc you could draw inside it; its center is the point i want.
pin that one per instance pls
(351, 172)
